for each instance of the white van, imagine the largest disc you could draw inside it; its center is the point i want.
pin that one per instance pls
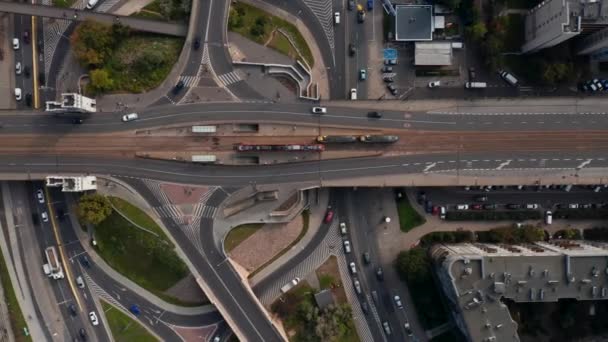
(130, 117)
(509, 78)
(353, 94)
(91, 3)
(548, 217)
(470, 85)
(442, 212)
(336, 17)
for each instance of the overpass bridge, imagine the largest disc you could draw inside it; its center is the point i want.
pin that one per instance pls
(146, 25)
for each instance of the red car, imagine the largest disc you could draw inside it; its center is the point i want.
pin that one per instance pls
(476, 206)
(329, 216)
(436, 210)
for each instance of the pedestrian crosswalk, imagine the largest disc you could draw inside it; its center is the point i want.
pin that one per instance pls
(229, 78)
(190, 81)
(322, 9)
(202, 210)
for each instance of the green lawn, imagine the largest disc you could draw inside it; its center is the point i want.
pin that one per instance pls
(14, 311)
(408, 217)
(240, 234)
(140, 256)
(63, 3)
(138, 216)
(243, 18)
(123, 327)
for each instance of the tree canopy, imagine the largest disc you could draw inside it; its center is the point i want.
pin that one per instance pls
(93, 208)
(413, 265)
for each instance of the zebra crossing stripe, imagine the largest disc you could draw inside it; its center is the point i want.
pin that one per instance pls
(189, 81)
(229, 78)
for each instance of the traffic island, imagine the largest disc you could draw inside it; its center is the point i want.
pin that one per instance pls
(123, 327)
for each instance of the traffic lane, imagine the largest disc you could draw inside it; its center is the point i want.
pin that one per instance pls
(216, 36)
(200, 34)
(74, 252)
(27, 61)
(547, 199)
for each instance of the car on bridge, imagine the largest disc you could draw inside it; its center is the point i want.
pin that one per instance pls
(319, 110)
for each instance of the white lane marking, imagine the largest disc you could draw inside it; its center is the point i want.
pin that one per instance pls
(583, 164)
(428, 167)
(502, 165)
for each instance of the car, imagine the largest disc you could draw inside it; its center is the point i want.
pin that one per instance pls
(197, 43)
(337, 18)
(392, 89)
(586, 206)
(93, 318)
(398, 303)
(353, 94)
(319, 110)
(476, 206)
(388, 80)
(548, 217)
(480, 198)
(471, 74)
(513, 206)
(582, 87)
(18, 68)
(83, 334)
(41, 78)
(421, 197)
(135, 310)
(408, 329)
(84, 260)
(72, 310)
(26, 71)
(40, 196)
(77, 121)
(347, 246)
(462, 207)
(379, 274)
(357, 285)
(386, 327)
(386, 69)
(362, 74)
(490, 206)
(91, 3)
(343, 229)
(45, 216)
(28, 99)
(16, 43)
(351, 50)
(351, 5)
(178, 87)
(435, 209)
(573, 206)
(329, 215)
(130, 117)
(366, 258)
(360, 16)
(364, 308)
(598, 84)
(531, 206)
(217, 338)
(370, 5)
(375, 115)
(390, 62)
(591, 86)
(18, 94)
(80, 282)
(428, 206)
(434, 84)
(375, 297)
(26, 36)
(353, 268)
(442, 212)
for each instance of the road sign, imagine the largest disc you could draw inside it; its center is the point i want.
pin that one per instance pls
(389, 53)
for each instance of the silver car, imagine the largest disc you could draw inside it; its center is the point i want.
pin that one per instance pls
(353, 268)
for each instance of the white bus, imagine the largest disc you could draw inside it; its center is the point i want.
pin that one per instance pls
(204, 129)
(204, 158)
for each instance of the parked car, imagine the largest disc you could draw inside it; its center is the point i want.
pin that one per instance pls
(388, 79)
(531, 206)
(471, 74)
(18, 94)
(481, 198)
(462, 207)
(386, 327)
(573, 206)
(337, 18)
(18, 68)
(347, 247)
(392, 89)
(408, 329)
(16, 43)
(490, 206)
(351, 5)
(364, 308)
(428, 206)
(357, 285)
(329, 215)
(387, 69)
(434, 84)
(513, 206)
(353, 268)
(343, 229)
(476, 206)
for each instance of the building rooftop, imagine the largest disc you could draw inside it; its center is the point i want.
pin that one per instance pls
(477, 276)
(72, 102)
(72, 184)
(433, 54)
(414, 23)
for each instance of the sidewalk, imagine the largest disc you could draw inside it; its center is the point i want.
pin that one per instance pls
(124, 281)
(317, 212)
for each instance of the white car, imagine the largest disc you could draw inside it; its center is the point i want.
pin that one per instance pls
(45, 217)
(93, 318)
(434, 84)
(353, 268)
(462, 207)
(319, 110)
(346, 246)
(573, 206)
(532, 206)
(337, 18)
(91, 4)
(18, 68)
(80, 282)
(397, 300)
(357, 286)
(353, 94)
(40, 196)
(18, 94)
(16, 43)
(342, 228)
(130, 117)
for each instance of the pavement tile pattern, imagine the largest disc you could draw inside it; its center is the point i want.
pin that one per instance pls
(322, 9)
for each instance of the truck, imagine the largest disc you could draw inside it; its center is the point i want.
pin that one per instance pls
(379, 138)
(336, 139)
(53, 267)
(290, 285)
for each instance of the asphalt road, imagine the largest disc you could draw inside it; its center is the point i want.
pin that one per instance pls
(24, 55)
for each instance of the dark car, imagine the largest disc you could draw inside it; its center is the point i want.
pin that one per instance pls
(135, 310)
(26, 36)
(360, 16)
(28, 99)
(379, 274)
(26, 71)
(351, 50)
(388, 79)
(376, 115)
(392, 89)
(77, 121)
(72, 309)
(387, 69)
(476, 206)
(178, 87)
(366, 258)
(481, 198)
(351, 5)
(428, 206)
(365, 308)
(490, 206)
(84, 260)
(421, 197)
(197, 43)
(83, 334)
(471, 74)
(514, 206)
(41, 78)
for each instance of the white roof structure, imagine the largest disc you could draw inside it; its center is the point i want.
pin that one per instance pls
(72, 184)
(72, 102)
(439, 22)
(433, 54)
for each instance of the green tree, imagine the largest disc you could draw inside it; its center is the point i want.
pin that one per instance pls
(92, 43)
(151, 60)
(100, 81)
(93, 208)
(477, 31)
(554, 73)
(413, 265)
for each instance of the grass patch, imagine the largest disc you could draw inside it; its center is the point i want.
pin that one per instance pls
(326, 281)
(138, 216)
(329, 275)
(240, 234)
(123, 327)
(155, 10)
(281, 44)
(140, 256)
(63, 3)
(258, 25)
(14, 310)
(305, 218)
(142, 62)
(408, 216)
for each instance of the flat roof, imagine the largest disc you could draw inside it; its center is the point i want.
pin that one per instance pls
(433, 54)
(414, 23)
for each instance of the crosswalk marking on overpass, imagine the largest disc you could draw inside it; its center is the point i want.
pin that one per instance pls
(190, 81)
(229, 78)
